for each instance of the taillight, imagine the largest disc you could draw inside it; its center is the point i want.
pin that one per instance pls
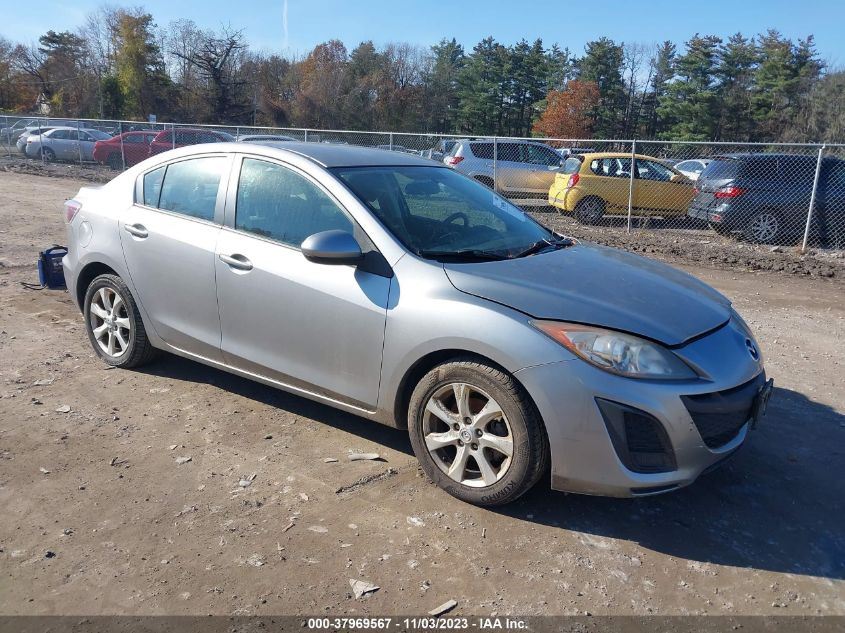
(729, 192)
(72, 207)
(573, 180)
(696, 191)
(453, 160)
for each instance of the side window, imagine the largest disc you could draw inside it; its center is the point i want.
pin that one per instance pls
(649, 170)
(509, 152)
(276, 202)
(132, 139)
(152, 186)
(59, 135)
(190, 186)
(481, 150)
(538, 155)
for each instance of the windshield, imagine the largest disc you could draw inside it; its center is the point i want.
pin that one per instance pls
(436, 212)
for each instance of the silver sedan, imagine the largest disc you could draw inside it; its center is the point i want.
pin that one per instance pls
(402, 291)
(64, 143)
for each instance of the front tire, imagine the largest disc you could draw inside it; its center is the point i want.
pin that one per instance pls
(114, 324)
(115, 162)
(476, 433)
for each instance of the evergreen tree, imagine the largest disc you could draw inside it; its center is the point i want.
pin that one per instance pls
(738, 58)
(602, 64)
(690, 105)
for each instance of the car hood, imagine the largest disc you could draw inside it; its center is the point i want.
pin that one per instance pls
(599, 286)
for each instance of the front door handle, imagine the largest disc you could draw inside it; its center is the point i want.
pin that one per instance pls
(236, 261)
(138, 230)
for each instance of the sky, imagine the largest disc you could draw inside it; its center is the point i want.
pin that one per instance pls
(296, 26)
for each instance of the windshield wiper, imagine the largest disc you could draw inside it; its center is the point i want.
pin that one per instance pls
(467, 255)
(539, 245)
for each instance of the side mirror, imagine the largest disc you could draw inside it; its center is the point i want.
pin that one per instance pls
(332, 247)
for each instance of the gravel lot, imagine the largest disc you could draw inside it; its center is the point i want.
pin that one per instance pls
(100, 516)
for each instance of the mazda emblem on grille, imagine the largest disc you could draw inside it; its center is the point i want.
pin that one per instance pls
(752, 349)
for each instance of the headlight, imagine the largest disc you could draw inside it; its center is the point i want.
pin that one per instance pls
(616, 352)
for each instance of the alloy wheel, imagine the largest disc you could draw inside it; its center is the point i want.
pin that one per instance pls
(764, 227)
(110, 322)
(467, 435)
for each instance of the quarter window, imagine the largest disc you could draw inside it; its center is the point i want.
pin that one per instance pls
(152, 186)
(276, 202)
(190, 186)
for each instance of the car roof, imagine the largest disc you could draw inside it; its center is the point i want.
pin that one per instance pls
(336, 155)
(761, 156)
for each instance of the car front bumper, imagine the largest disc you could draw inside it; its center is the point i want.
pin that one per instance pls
(587, 459)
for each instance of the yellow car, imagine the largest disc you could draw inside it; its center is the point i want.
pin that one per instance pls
(591, 185)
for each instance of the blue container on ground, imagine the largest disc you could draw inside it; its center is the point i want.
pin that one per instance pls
(50, 272)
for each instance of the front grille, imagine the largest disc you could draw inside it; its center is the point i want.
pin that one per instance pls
(720, 416)
(639, 439)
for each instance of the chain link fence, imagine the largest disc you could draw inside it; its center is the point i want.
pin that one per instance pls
(775, 194)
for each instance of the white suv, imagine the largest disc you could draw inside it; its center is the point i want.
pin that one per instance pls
(524, 170)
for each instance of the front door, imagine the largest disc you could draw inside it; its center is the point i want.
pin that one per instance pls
(169, 237)
(656, 192)
(314, 327)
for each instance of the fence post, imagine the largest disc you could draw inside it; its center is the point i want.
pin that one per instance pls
(306, 136)
(631, 183)
(122, 151)
(8, 135)
(40, 142)
(238, 133)
(391, 141)
(173, 136)
(813, 198)
(495, 161)
(78, 143)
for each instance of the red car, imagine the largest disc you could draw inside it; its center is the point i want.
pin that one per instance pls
(186, 136)
(135, 147)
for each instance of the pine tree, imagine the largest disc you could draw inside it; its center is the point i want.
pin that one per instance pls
(690, 105)
(602, 64)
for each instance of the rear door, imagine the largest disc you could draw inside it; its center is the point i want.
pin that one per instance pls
(169, 238)
(609, 180)
(512, 174)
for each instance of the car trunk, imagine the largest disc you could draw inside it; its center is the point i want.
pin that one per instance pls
(720, 173)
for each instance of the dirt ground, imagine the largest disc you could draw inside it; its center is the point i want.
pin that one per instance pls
(100, 517)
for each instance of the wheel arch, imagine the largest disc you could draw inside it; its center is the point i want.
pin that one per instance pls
(429, 361)
(88, 274)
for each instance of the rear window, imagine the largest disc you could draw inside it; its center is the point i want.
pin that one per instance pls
(721, 170)
(571, 165)
(482, 150)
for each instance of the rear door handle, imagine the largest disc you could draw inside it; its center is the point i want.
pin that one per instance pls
(236, 261)
(138, 230)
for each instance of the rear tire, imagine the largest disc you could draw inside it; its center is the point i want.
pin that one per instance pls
(48, 154)
(114, 161)
(476, 433)
(114, 324)
(763, 227)
(590, 210)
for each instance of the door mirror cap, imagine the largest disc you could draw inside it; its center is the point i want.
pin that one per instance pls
(332, 247)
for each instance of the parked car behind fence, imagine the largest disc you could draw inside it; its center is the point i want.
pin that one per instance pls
(765, 197)
(522, 171)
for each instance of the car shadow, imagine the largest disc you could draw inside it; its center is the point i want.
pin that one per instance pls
(777, 505)
(178, 368)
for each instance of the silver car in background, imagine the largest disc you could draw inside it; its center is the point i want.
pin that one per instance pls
(64, 143)
(524, 170)
(399, 290)
(692, 168)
